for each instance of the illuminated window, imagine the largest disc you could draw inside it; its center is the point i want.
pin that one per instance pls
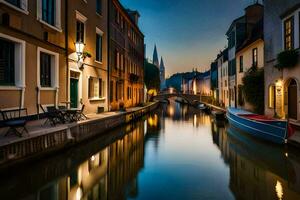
(96, 88)
(289, 33)
(254, 57)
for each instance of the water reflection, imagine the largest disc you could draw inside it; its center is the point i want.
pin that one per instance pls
(177, 152)
(258, 170)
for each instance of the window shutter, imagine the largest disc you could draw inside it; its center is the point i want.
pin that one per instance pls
(100, 88)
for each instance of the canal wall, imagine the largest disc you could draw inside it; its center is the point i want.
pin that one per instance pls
(45, 142)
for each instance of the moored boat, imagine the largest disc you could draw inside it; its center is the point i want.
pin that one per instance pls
(260, 126)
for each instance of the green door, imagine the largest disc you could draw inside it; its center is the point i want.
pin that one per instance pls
(74, 92)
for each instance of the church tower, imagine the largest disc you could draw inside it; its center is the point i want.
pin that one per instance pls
(162, 72)
(155, 57)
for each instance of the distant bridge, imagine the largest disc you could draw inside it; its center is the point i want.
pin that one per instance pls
(189, 98)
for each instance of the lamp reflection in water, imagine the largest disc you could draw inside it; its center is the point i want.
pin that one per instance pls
(195, 120)
(153, 120)
(171, 111)
(279, 190)
(78, 193)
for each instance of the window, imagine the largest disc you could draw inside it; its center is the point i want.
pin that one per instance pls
(241, 63)
(231, 40)
(254, 57)
(79, 31)
(99, 47)
(7, 62)
(99, 6)
(45, 70)
(271, 96)
(48, 11)
(289, 33)
(20, 5)
(96, 88)
(16, 3)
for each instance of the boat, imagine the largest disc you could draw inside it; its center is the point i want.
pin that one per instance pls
(260, 126)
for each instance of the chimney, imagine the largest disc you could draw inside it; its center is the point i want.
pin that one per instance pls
(254, 13)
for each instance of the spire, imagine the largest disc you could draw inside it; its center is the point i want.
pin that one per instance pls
(155, 57)
(162, 65)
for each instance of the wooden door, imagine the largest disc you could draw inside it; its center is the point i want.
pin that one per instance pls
(292, 100)
(74, 92)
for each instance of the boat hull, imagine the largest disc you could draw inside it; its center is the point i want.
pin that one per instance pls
(275, 132)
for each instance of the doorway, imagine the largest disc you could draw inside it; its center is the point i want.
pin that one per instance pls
(74, 92)
(292, 100)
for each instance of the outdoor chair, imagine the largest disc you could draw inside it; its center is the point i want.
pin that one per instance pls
(78, 114)
(15, 120)
(53, 115)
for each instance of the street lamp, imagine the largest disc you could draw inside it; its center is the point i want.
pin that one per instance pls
(79, 47)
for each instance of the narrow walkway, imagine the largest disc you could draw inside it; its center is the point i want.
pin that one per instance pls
(38, 127)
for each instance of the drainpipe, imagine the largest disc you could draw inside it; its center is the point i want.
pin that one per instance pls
(67, 48)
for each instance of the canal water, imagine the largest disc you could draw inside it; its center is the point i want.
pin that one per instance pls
(177, 152)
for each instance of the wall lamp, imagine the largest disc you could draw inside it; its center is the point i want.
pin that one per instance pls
(79, 47)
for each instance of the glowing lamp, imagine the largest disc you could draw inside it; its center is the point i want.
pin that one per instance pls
(79, 46)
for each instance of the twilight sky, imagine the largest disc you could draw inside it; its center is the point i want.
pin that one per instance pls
(188, 33)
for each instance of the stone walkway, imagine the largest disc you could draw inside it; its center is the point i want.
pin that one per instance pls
(38, 127)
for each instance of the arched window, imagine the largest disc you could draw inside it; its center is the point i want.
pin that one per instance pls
(271, 102)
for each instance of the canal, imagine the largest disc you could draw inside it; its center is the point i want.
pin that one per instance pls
(176, 152)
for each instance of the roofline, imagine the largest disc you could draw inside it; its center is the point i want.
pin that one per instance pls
(233, 22)
(129, 18)
(244, 47)
(255, 4)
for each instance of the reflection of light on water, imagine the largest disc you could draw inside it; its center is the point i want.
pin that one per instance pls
(171, 111)
(153, 120)
(92, 158)
(279, 190)
(195, 120)
(286, 155)
(78, 194)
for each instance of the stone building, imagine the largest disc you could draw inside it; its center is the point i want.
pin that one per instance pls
(223, 78)
(126, 57)
(87, 79)
(281, 23)
(33, 55)
(249, 54)
(237, 33)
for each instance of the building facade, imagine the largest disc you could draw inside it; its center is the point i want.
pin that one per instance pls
(126, 57)
(250, 54)
(87, 82)
(281, 22)
(237, 33)
(214, 81)
(223, 78)
(33, 56)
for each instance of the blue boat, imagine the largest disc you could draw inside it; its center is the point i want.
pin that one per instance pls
(259, 126)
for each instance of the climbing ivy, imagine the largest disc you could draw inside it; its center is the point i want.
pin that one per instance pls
(253, 89)
(287, 59)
